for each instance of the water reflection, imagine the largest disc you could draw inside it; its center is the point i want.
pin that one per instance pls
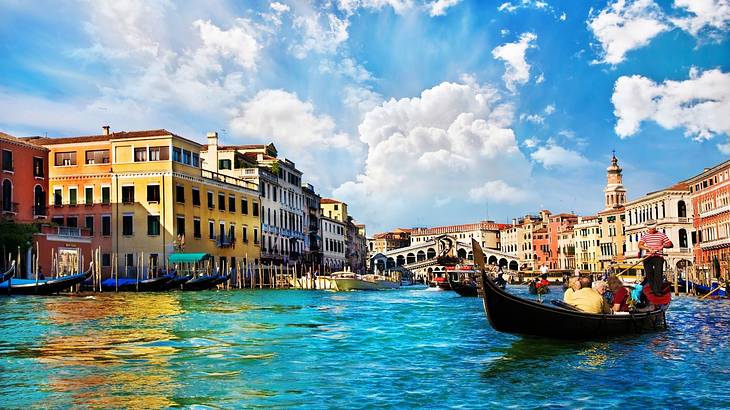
(120, 353)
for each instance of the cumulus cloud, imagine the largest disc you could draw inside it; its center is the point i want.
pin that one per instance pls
(555, 156)
(350, 6)
(300, 133)
(517, 70)
(710, 15)
(533, 118)
(498, 191)
(362, 99)
(438, 8)
(700, 104)
(530, 142)
(624, 26)
(448, 140)
(279, 7)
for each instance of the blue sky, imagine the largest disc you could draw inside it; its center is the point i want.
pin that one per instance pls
(414, 112)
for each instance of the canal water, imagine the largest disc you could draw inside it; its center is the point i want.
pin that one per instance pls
(310, 349)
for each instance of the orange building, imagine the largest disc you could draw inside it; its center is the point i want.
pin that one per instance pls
(24, 178)
(710, 196)
(541, 247)
(558, 225)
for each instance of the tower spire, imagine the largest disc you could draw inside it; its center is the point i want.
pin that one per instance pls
(615, 193)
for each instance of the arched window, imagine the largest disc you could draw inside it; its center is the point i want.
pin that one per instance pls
(7, 195)
(39, 201)
(681, 209)
(400, 260)
(430, 253)
(410, 258)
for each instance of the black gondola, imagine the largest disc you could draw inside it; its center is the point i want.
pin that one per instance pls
(127, 284)
(9, 274)
(43, 286)
(463, 289)
(512, 314)
(201, 282)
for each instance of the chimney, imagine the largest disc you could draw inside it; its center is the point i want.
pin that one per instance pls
(105, 130)
(213, 151)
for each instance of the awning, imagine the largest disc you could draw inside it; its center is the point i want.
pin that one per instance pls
(187, 257)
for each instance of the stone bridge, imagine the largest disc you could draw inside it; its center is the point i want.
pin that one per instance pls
(421, 259)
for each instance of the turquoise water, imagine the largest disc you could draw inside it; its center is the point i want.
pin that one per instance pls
(311, 349)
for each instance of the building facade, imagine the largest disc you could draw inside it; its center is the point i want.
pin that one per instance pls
(710, 210)
(312, 224)
(487, 233)
(611, 219)
(665, 207)
(560, 227)
(587, 235)
(333, 243)
(23, 180)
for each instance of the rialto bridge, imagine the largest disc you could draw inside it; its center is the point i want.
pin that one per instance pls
(422, 259)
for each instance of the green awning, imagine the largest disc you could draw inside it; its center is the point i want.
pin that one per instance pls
(187, 257)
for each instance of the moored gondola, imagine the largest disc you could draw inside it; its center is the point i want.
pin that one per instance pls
(127, 284)
(43, 286)
(463, 289)
(201, 282)
(512, 314)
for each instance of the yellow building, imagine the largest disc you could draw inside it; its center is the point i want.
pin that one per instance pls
(154, 199)
(587, 238)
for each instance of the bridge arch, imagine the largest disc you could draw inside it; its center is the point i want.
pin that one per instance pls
(420, 256)
(410, 258)
(492, 260)
(513, 265)
(461, 253)
(400, 260)
(390, 263)
(503, 263)
(430, 253)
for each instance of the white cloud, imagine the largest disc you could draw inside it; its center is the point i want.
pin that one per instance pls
(724, 148)
(504, 32)
(321, 33)
(563, 17)
(549, 109)
(555, 156)
(238, 43)
(498, 191)
(438, 7)
(530, 142)
(517, 70)
(299, 132)
(533, 118)
(448, 140)
(346, 67)
(624, 26)
(279, 7)
(700, 104)
(362, 99)
(711, 15)
(540, 79)
(350, 6)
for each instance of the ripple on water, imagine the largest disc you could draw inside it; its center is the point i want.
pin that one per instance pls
(397, 349)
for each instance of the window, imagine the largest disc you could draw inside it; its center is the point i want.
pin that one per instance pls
(176, 154)
(65, 158)
(153, 193)
(89, 224)
(255, 209)
(255, 236)
(106, 195)
(153, 225)
(211, 204)
(196, 160)
(224, 164)
(180, 225)
(127, 225)
(106, 260)
(186, 157)
(159, 153)
(211, 229)
(231, 203)
(88, 196)
(7, 160)
(72, 222)
(244, 206)
(58, 197)
(140, 154)
(244, 235)
(128, 194)
(38, 167)
(180, 194)
(196, 197)
(221, 201)
(196, 228)
(106, 225)
(57, 220)
(72, 196)
(100, 156)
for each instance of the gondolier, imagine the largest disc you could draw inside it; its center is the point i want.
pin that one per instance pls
(653, 242)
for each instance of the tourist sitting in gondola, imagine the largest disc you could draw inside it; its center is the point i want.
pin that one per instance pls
(587, 299)
(573, 286)
(620, 296)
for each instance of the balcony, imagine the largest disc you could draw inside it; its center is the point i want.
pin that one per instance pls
(224, 242)
(716, 211)
(10, 208)
(715, 243)
(66, 231)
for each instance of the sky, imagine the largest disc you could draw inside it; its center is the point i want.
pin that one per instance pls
(415, 113)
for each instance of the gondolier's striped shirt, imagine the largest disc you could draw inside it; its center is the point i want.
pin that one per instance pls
(656, 240)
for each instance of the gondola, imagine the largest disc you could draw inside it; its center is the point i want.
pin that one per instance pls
(512, 314)
(133, 284)
(221, 279)
(9, 274)
(463, 289)
(176, 282)
(704, 290)
(43, 286)
(532, 290)
(201, 282)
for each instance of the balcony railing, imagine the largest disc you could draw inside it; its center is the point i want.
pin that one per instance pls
(224, 242)
(67, 231)
(718, 210)
(10, 207)
(229, 180)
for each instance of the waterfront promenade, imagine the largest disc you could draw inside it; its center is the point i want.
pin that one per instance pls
(409, 348)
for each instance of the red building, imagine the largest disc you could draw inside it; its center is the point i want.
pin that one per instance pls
(24, 179)
(710, 196)
(541, 248)
(558, 224)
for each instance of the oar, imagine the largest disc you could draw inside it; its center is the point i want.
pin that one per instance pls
(637, 263)
(712, 291)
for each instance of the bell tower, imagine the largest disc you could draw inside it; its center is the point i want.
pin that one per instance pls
(614, 191)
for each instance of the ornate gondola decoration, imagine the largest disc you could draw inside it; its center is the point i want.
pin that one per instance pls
(512, 314)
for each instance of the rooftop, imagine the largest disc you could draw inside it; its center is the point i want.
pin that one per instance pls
(42, 141)
(19, 141)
